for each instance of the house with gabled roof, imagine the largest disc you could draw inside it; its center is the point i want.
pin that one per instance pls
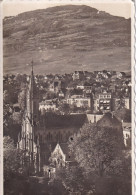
(61, 156)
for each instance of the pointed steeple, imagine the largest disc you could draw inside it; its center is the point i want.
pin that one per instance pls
(31, 81)
(32, 67)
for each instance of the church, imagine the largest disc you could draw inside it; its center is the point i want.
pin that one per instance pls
(41, 132)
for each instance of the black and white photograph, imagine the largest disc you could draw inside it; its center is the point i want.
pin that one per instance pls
(68, 97)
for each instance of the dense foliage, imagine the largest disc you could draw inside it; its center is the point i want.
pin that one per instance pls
(12, 159)
(97, 149)
(102, 166)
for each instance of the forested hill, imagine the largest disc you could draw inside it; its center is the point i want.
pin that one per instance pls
(66, 38)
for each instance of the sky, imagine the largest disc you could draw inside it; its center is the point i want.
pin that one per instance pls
(13, 8)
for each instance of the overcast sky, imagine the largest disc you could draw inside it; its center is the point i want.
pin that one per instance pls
(118, 9)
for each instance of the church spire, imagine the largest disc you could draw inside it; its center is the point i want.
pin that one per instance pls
(32, 66)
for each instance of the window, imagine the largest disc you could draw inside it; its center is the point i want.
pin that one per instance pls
(127, 135)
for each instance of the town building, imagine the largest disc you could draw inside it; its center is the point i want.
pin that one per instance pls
(79, 101)
(47, 105)
(94, 118)
(61, 94)
(56, 86)
(60, 156)
(121, 103)
(102, 102)
(116, 103)
(78, 75)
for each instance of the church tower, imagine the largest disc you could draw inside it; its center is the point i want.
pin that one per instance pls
(32, 99)
(27, 141)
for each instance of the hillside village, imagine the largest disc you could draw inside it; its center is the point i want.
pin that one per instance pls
(81, 92)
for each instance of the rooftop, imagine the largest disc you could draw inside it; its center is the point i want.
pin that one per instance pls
(51, 120)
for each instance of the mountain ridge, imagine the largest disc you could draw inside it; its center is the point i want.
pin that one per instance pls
(62, 39)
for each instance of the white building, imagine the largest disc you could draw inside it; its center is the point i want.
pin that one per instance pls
(47, 105)
(102, 102)
(93, 118)
(58, 158)
(80, 87)
(79, 101)
(61, 94)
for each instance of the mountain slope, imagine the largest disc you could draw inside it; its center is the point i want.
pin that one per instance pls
(66, 38)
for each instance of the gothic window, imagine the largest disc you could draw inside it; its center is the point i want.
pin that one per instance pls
(30, 145)
(27, 142)
(127, 135)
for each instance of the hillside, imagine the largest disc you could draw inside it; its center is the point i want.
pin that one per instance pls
(66, 38)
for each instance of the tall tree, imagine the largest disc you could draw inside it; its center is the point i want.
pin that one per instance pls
(96, 148)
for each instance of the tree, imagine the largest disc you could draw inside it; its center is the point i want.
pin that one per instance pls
(12, 158)
(98, 150)
(22, 99)
(74, 181)
(74, 108)
(64, 107)
(50, 95)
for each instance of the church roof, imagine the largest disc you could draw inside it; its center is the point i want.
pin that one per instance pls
(109, 119)
(50, 120)
(124, 114)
